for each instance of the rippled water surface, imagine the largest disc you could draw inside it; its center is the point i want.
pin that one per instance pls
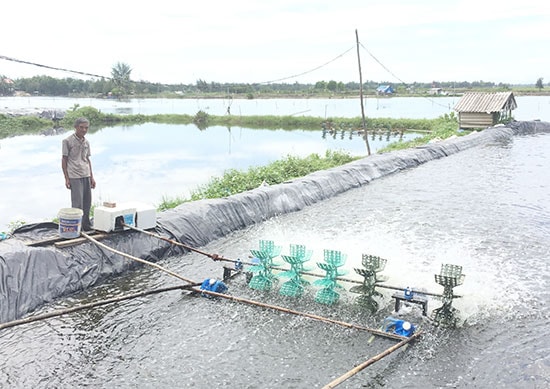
(486, 209)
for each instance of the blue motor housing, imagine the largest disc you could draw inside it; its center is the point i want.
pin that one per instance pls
(399, 327)
(408, 293)
(238, 264)
(213, 285)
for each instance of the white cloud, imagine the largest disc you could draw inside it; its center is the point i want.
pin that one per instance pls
(251, 41)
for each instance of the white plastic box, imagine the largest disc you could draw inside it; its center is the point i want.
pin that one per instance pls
(146, 215)
(109, 219)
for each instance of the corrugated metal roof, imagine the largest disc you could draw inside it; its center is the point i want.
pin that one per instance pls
(486, 102)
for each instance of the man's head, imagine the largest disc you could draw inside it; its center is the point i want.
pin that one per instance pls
(81, 126)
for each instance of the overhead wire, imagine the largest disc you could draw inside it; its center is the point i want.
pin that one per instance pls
(110, 78)
(52, 67)
(73, 71)
(394, 75)
(309, 71)
(339, 56)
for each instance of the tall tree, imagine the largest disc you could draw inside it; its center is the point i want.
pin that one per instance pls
(539, 83)
(120, 74)
(5, 86)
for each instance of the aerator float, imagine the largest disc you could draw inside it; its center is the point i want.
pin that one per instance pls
(264, 272)
(263, 277)
(294, 287)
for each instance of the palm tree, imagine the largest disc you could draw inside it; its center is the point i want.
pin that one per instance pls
(539, 83)
(120, 74)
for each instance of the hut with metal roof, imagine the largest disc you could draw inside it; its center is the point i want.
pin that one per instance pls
(482, 110)
(385, 90)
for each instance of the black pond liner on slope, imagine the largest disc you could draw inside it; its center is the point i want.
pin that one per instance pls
(32, 276)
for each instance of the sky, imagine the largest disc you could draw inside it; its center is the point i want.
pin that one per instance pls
(288, 41)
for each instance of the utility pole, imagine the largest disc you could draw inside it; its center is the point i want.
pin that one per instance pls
(365, 135)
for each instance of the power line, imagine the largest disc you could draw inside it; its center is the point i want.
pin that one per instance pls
(110, 78)
(309, 71)
(265, 82)
(72, 71)
(396, 77)
(381, 64)
(52, 67)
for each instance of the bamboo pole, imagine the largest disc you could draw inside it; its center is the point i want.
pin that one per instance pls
(81, 239)
(361, 93)
(304, 314)
(247, 301)
(66, 311)
(192, 288)
(370, 361)
(137, 259)
(217, 257)
(62, 242)
(385, 286)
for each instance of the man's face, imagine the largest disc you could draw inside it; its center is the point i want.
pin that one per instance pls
(82, 129)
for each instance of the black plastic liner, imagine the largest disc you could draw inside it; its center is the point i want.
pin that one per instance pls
(34, 275)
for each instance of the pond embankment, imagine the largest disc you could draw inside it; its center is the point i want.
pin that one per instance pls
(33, 276)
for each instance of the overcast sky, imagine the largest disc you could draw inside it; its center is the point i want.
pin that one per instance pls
(255, 41)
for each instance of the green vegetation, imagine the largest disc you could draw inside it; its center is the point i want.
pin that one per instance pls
(539, 84)
(121, 85)
(235, 181)
(23, 125)
(27, 125)
(120, 75)
(442, 128)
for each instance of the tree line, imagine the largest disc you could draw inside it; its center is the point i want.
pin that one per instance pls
(120, 85)
(50, 86)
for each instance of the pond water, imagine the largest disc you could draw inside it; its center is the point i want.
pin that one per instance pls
(149, 162)
(486, 209)
(529, 107)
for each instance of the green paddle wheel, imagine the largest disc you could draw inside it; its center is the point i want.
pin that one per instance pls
(333, 260)
(372, 265)
(294, 287)
(449, 277)
(263, 277)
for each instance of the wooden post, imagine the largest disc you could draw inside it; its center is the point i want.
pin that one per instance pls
(370, 361)
(66, 311)
(361, 94)
(152, 264)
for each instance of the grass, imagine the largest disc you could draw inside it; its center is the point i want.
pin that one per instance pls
(444, 127)
(235, 181)
(27, 125)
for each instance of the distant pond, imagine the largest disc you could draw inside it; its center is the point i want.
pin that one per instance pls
(529, 107)
(147, 162)
(151, 161)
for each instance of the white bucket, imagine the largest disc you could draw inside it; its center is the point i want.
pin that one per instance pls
(70, 220)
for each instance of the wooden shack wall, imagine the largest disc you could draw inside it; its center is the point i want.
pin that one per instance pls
(476, 119)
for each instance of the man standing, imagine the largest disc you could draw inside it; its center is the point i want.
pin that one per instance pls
(77, 169)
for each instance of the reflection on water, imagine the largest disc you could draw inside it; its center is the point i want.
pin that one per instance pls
(486, 209)
(151, 161)
(123, 111)
(428, 107)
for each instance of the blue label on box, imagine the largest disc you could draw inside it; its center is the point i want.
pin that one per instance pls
(129, 219)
